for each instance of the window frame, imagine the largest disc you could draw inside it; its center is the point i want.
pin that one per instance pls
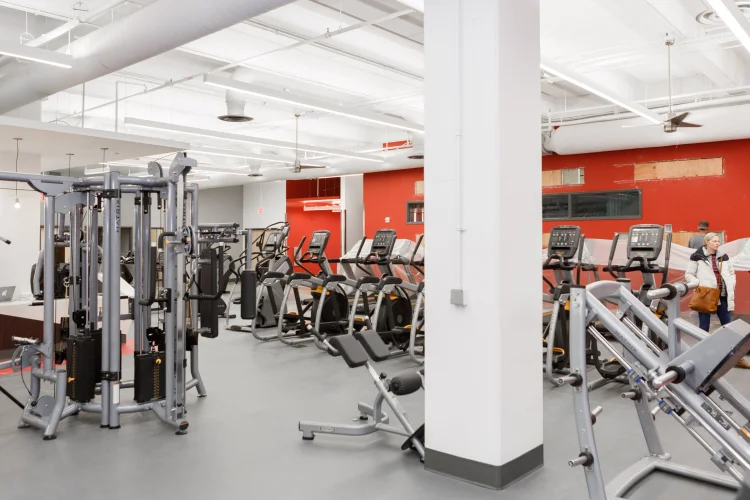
(570, 196)
(409, 204)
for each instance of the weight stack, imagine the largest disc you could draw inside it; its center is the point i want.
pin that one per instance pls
(150, 372)
(82, 371)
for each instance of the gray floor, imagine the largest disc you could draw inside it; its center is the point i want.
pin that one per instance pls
(243, 440)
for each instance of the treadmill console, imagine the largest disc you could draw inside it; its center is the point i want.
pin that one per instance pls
(318, 243)
(383, 243)
(564, 242)
(645, 241)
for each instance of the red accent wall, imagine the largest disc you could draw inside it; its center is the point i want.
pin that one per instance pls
(303, 223)
(385, 195)
(722, 200)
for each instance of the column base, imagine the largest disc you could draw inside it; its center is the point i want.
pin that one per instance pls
(496, 477)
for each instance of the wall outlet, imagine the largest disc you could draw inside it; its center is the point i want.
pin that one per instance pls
(457, 297)
(387, 219)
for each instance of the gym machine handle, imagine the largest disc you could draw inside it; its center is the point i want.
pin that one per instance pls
(219, 291)
(152, 281)
(612, 249)
(24, 341)
(4, 240)
(377, 259)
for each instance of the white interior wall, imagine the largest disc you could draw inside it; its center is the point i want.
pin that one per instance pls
(263, 204)
(353, 219)
(20, 226)
(222, 205)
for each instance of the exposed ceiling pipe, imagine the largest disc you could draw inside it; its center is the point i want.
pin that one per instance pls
(724, 102)
(719, 124)
(71, 24)
(129, 41)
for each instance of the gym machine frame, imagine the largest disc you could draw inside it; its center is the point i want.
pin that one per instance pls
(68, 194)
(664, 376)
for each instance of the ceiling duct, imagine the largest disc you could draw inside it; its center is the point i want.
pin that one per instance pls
(719, 124)
(236, 100)
(127, 41)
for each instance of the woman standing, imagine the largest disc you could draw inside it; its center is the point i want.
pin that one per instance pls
(709, 268)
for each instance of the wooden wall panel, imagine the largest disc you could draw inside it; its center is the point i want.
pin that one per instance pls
(545, 239)
(551, 178)
(704, 167)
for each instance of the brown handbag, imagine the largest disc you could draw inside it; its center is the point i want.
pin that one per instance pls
(706, 299)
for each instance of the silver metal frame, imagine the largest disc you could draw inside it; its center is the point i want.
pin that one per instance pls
(70, 195)
(646, 371)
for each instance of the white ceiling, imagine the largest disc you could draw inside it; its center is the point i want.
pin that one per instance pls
(377, 68)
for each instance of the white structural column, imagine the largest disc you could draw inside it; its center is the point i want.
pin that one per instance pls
(483, 234)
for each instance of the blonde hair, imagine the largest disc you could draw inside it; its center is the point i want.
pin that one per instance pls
(710, 236)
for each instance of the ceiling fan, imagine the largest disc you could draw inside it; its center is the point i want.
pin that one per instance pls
(673, 121)
(298, 165)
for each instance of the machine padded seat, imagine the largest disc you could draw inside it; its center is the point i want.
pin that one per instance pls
(405, 383)
(390, 280)
(274, 275)
(367, 280)
(373, 344)
(351, 350)
(334, 278)
(420, 287)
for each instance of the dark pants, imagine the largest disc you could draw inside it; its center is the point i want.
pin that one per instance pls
(723, 312)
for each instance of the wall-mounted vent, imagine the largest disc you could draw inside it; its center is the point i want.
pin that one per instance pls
(419, 188)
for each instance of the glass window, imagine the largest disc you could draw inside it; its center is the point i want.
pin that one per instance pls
(606, 205)
(415, 212)
(555, 206)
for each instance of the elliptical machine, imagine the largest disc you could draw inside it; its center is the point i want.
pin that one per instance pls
(263, 285)
(565, 243)
(644, 245)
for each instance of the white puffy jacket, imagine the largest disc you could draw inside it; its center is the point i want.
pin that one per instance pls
(700, 272)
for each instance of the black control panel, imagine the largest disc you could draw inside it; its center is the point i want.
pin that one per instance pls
(564, 242)
(383, 242)
(318, 243)
(272, 244)
(645, 241)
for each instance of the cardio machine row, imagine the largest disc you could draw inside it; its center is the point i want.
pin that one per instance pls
(340, 303)
(565, 254)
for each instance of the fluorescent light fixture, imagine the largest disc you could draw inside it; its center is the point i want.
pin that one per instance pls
(123, 164)
(590, 86)
(138, 122)
(735, 20)
(248, 88)
(239, 154)
(43, 56)
(228, 171)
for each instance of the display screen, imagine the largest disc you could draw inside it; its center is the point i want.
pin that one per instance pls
(317, 239)
(382, 242)
(645, 238)
(563, 241)
(564, 238)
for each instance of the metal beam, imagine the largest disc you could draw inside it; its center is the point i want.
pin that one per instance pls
(596, 88)
(722, 67)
